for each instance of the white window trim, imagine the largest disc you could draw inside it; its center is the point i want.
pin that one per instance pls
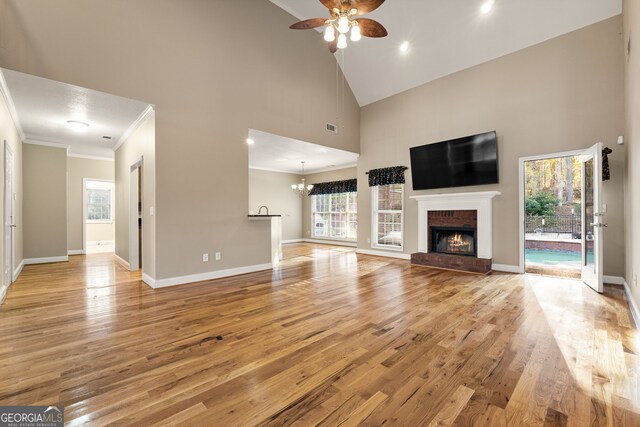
(374, 222)
(100, 184)
(331, 239)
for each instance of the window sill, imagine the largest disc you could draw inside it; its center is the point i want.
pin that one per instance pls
(335, 239)
(388, 248)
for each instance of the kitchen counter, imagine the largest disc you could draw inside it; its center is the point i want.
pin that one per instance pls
(276, 235)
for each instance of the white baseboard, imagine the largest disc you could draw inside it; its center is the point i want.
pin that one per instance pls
(49, 260)
(76, 252)
(148, 280)
(331, 242)
(18, 270)
(284, 242)
(613, 280)
(192, 278)
(101, 243)
(633, 306)
(121, 261)
(506, 268)
(398, 255)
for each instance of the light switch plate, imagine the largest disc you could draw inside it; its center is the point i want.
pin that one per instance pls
(151, 210)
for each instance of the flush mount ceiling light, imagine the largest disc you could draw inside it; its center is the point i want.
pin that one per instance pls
(250, 141)
(404, 47)
(77, 125)
(343, 21)
(487, 6)
(302, 189)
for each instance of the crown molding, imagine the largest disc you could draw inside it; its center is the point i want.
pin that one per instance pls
(47, 144)
(330, 169)
(6, 95)
(92, 157)
(134, 126)
(306, 173)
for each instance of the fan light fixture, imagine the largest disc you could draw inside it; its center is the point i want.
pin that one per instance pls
(344, 21)
(302, 189)
(77, 125)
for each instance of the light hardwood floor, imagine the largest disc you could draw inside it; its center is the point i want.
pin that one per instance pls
(330, 338)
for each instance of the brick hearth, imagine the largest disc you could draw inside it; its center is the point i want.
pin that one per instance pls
(452, 262)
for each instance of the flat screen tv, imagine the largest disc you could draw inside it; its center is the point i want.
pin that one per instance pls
(472, 160)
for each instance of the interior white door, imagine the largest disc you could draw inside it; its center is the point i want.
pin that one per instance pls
(592, 217)
(8, 216)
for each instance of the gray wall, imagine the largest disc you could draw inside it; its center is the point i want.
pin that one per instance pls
(78, 169)
(329, 176)
(206, 96)
(564, 94)
(45, 201)
(631, 12)
(273, 189)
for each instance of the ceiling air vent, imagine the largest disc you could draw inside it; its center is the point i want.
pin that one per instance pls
(332, 128)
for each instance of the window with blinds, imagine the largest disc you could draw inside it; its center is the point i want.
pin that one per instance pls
(335, 216)
(388, 216)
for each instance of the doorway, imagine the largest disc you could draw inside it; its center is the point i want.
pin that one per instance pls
(135, 216)
(9, 225)
(558, 235)
(99, 218)
(552, 203)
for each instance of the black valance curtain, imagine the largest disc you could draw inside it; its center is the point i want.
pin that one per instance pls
(606, 173)
(347, 186)
(387, 176)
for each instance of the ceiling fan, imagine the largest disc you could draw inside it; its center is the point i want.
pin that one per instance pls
(343, 19)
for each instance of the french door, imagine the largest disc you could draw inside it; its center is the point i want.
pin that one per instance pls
(592, 217)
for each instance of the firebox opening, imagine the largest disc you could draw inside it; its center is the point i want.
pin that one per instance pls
(453, 240)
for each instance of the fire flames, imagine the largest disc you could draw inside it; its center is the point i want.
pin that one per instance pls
(456, 243)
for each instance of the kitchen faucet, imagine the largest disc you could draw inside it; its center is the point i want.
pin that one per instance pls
(260, 210)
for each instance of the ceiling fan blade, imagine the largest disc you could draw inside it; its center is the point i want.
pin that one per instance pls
(331, 4)
(366, 6)
(371, 28)
(308, 24)
(333, 46)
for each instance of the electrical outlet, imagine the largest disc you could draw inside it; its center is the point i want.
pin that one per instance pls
(205, 257)
(218, 256)
(635, 280)
(308, 233)
(368, 239)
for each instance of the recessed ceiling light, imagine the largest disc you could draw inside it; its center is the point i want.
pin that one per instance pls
(250, 141)
(404, 47)
(487, 6)
(77, 125)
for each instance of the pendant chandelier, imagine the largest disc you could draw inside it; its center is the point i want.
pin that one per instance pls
(302, 189)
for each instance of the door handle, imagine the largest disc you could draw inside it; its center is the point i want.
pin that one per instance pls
(597, 224)
(12, 225)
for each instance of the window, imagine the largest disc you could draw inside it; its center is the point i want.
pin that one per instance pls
(387, 215)
(99, 201)
(335, 216)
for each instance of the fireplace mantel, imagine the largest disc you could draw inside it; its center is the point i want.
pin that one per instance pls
(480, 201)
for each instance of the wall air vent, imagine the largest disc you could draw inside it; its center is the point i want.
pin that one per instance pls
(332, 128)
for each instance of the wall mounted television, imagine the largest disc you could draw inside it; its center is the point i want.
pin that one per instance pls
(460, 162)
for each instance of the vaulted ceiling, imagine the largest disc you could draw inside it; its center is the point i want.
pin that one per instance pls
(446, 36)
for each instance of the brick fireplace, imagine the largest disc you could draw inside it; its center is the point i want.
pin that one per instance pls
(455, 231)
